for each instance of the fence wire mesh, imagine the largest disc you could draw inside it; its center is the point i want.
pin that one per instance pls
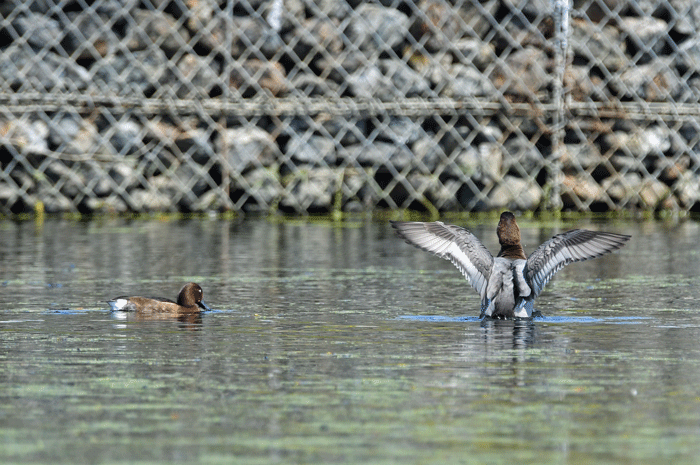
(315, 106)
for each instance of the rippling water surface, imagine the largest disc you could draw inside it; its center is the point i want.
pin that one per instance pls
(338, 343)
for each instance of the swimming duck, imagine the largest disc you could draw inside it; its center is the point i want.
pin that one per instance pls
(189, 300)
(509, 283)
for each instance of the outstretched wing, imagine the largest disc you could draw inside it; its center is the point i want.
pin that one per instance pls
(453, 243)
(572, 246)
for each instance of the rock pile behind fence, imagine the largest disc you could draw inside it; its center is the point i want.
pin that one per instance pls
(301, 106)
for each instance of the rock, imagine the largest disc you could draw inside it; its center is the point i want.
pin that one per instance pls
(313, 150)
(200, 78)
(150, 200)
(259, 189)
(655, 81)
(687, 190)
(309, 190)
(581, 190)
(685, 16)
(514, 194)
(155, 27)
(71, 182)
(644, 34)
(117, 75)
(460, 81)
(126, 137)
(441, 24)
(404, 80)
(521, 157)
(631, 186)
(321, 35)
(475, 52)
(584, 86)
(400, 130)
(652, 141)
(50, 73)
(247, 148)
(76, 136)
(379, 153)
(524, 73)
(580, 157)
(249, 77)
(376, 28)
(594, 42)
(28, 138)
(38, 30)
(310, 85)
(86, 35)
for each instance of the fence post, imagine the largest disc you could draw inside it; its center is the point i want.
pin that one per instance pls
(561, 10)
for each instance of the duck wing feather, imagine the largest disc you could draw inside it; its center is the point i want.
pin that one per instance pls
(452, 243)
(572, 246)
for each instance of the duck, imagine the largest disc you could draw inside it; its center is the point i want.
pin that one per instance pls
(509, 283)
(189, 301)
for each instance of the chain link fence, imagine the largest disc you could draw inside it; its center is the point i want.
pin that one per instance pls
(315, 106)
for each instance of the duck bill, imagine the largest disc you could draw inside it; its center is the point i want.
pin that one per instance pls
(204, 306)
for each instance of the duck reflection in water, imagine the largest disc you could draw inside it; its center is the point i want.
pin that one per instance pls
(509, 283)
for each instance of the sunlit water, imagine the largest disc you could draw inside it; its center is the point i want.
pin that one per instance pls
(339, 343)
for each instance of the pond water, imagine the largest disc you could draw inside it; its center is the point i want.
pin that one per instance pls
(336, 342)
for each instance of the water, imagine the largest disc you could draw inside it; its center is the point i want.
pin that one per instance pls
(339, 343)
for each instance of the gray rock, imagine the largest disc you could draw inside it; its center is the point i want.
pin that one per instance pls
(70, 180)
(310, 85)
(473, 52)
(261, 186)
(247, 148)
(198, 77)
(126, 137)
(310, 189)
(515, 194)
(369, 83)
(313, 150)
(654, 140)
(253, 76)
(377, 154)
(490, 162)
(401, 130)
(48, 73)
(247, 34)
(345, 131)
(405, 80)
(87, 35)
(76, 136)
(38, 30)
(580, 157)
(645, 33)
(150, 200)
(155, 27)
(596, 43)
(631, 187)
(688, 191)
(584, 86)
(134, 74)
(460, 81)
(580, 190)
(28, 138)
(653, 82)
(522, 157)
(524, 73)
(375, 28)
(316, 36)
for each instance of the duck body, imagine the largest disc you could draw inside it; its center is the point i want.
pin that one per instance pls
(509, 283)
(189, 300)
